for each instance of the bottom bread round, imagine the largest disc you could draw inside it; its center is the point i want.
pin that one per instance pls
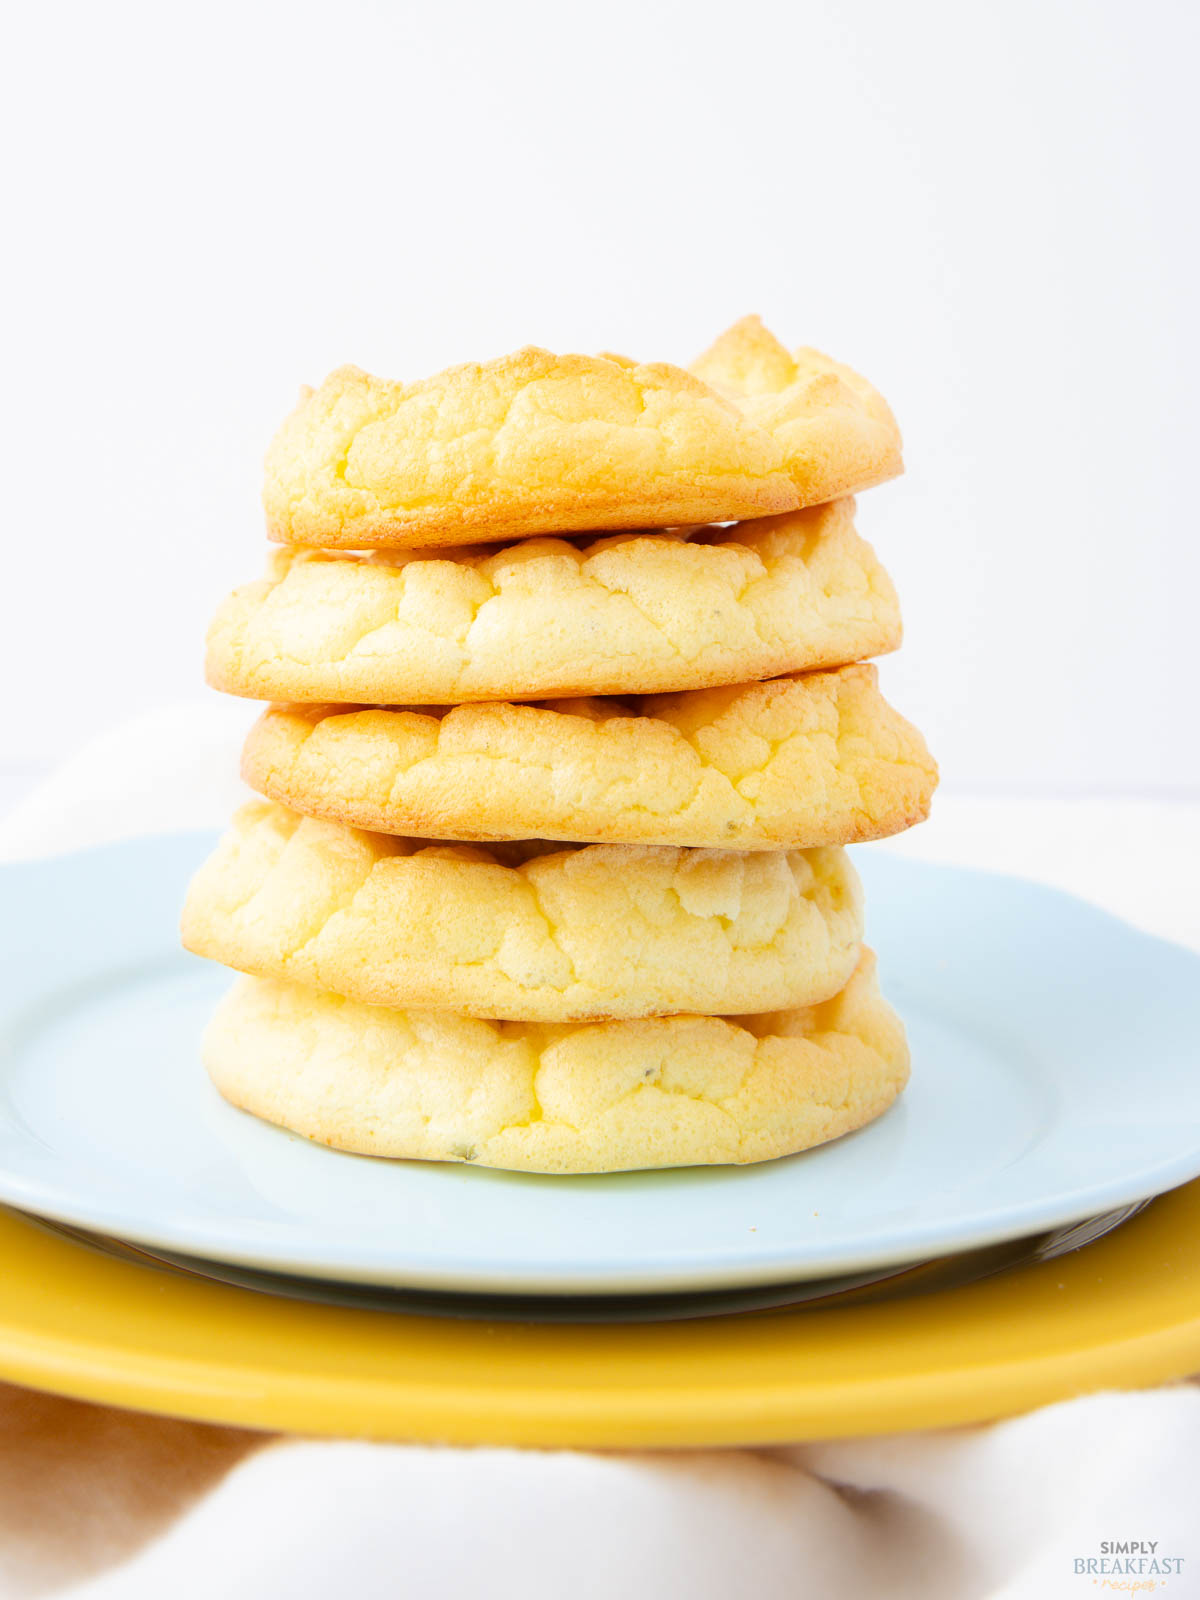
(571, 1098)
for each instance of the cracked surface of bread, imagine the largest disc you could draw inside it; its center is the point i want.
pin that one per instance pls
(599, 1097)
(837, 432)
(820, 759)
(637, 614)
(530, 932)
(531, 443)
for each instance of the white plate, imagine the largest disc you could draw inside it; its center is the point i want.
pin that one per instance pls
(1054, 1076)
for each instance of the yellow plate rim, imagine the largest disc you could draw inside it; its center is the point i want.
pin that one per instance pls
(1122, 1312)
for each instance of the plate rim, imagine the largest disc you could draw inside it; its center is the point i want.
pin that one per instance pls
(733, 1271)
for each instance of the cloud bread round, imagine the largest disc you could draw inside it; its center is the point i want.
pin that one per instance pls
(631, 614)
(530, 932)
(837, 433)
(814, 760)
(532, 443)
(599, 1097)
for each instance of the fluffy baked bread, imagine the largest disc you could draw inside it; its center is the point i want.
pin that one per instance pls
(527, 933)
(629, 614)
(539, 443)
(599, 1097)
(837, 433)
(795, 762)
(531, 443)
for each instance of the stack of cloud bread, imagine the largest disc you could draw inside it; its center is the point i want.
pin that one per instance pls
(571, 726)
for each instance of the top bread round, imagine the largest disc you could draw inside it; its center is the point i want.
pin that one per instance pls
(538, 443)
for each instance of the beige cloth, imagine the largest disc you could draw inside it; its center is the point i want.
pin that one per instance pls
(1000, 1513)
(98, 1504)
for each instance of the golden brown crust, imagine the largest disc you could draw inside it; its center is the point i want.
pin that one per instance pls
(531, 443)
(837, 432)
(602, 1097)
(525, 934)
(635, 614)
(820, 759)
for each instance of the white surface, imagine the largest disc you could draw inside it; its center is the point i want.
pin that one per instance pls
(988, 208)
(998, 1513)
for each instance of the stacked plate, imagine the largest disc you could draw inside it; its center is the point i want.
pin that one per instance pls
(1032, 1013)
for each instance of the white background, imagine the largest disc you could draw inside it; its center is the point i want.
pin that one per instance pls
(988, 209)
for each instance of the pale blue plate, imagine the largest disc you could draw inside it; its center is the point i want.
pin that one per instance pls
(1055, 1075)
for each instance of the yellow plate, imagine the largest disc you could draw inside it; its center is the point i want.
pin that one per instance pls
(1124, 1311)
